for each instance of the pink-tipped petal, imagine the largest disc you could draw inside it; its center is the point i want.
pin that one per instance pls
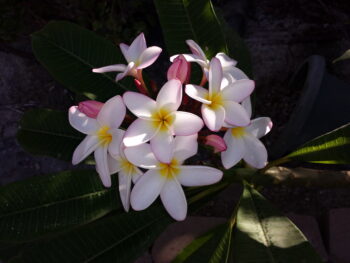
(146, 190)
(238, 90)
(255, 154)
(247, 105)
(185, 147)
(139, 104)
(112, 113)
(148, 57)
(114, 145)
(101, 158)
(260, 127)
(162, 145)
(170, 95)
(140, 131)
(85, 148)
(136, 48)
(186, 123)
(196, 49)
(235, 150)
(213, 118)
(111, 68)
(124, 180)
(81, 122)
(192, 175)
(174, 200)
(141, 156)
(198, 93)
(90, 108)
(215, 76)
(235, 114)
(216, 142)
(225, 60)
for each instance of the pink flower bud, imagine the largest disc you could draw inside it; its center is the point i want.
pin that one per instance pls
(90, 108)
(180, 69)
(217, 142)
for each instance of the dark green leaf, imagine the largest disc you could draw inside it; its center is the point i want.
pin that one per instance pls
(48, 132)
(263, 235)
(51, 203)
(330, 148)
(70, 52)
(188, 19)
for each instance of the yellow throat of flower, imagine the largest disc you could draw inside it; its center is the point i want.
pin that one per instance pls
(216, 100)
(104, 136)
(170, 170)
(238, 132)
(163, 118)
(127, 166)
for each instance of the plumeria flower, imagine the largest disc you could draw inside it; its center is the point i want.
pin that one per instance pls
(138, 57)
(228, 64)
(165, 179)
(158, 121)
(103, 135)
(221, 102)
(127, 173)
(243, 143)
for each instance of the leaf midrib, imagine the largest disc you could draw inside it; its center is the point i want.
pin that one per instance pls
(51, 133)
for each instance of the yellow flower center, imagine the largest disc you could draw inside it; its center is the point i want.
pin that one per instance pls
(104, 136)
(216, 100)
(238, 132)
(170, 170)
(163, 118)
(127, 166)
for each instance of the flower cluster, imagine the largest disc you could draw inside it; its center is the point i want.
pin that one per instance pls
(150, 154)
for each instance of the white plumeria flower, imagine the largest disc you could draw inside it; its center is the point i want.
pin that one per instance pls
(165, 179)
(228, 64)
(243, 142)
(221, 101)
(103, 135)
(158, 121)
(137, 55)
(127, 173)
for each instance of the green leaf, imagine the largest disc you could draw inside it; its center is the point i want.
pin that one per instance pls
(346, 55)
(188, 19)
(48, 132)
(46, 204)
(70, 52)
(330, 148)
(263, 235)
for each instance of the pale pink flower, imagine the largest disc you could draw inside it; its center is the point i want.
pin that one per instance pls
(180, 69)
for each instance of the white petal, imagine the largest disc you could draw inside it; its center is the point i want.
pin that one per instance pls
(185, 147)
(186, 123)
(124, 49)
(247, 105)
(136, 48)
(174, 200)
(148, 57)
(124, 189)
(112, 112)
(235, 150)
(111, 68)
(213, 118)
(170, 95)
(197, 93)
(235, 73)
(85, 148)
(238, 90)
(225, 60)
(81, 122)
(117, 138)
(196, 175)
(139, 104)
(235, 114)
(196, 49)
(192, 58)
(260, 127)
(162, 145)
(141, 156)
(136, 175)
(129, 71)
(146, 190)
(140, 131)
(215, 76)
(113, 164)
(102, 168)
(256, 154)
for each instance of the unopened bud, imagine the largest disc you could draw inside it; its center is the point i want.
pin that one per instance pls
(216, 142)
(90, 108)
(180, 69)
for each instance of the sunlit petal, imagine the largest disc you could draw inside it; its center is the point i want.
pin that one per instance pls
(256, 154)
(148, 57)
(139, 104)
(235, 114)
(238, 90)
(117, 138)
(215, 76)
(81, 122)
(102, 168)
(186, 123)
(198, 93)
(213, 118)
(192, 175)
(112, 113)
(85, 148)
(111, 68)
(162, 145)
(235, 150)
(185, 147)
(140, 131)
(170, 95)
(141, 156)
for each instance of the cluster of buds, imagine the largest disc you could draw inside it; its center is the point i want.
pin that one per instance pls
(151, 153)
